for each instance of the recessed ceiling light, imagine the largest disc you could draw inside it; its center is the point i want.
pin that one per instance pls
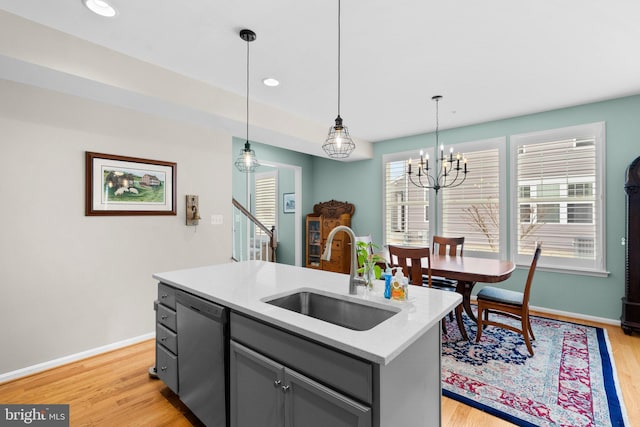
(100, 7)
(270, 81)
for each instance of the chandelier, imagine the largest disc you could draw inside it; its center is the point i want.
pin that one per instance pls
(338, 144)
(247, 161)
(446, 172)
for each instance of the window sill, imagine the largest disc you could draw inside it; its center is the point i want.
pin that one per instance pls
(569, 270)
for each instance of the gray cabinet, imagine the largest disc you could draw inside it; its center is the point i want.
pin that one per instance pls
(166, 337)
(266, 393)
(310, 404)
(255, 391)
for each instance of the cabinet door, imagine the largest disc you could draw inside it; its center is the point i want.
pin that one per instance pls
(256, 395)
(314, 243)
(310, 404)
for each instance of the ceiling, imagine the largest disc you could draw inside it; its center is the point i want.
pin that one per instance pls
(489, 60)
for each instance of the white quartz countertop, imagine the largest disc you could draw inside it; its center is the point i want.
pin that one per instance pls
(244, 286)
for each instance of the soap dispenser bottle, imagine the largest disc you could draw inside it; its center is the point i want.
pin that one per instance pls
(399, 286)
(388, 275)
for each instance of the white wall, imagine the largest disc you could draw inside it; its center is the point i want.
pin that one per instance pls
(71, 283)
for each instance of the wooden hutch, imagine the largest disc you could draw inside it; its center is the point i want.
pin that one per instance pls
(325, 217)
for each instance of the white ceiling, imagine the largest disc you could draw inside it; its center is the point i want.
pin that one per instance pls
(490, 60)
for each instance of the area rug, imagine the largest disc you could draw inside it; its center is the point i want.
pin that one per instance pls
(570, 380)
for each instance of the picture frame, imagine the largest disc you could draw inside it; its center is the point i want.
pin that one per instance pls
(289, 203)
(121, 185)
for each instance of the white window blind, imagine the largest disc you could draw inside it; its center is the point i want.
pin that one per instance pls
(473, 209)
(557, 196)
(266, 199)
(406, 206)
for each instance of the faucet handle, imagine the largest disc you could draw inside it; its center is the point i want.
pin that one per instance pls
(360, 281)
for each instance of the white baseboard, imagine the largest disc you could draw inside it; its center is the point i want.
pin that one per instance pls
(579, 316)
(576, 315)
(72, 358)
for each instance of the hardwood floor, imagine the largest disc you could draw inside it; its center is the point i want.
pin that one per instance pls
(114, 389)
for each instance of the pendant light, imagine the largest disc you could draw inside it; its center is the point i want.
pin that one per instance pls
(338, 144)
(247, 161)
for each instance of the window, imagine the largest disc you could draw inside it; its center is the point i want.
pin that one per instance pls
(583, 189)
(579, 213)
(406, 206)
(474, 209)
(548, 213)
(526, 213)
(558, 197)
(266, 194)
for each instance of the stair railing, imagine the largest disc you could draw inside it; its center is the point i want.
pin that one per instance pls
(252, 239)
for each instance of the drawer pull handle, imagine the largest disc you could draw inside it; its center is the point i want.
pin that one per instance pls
(285, 388)
(164, 317)
(163, 296)
(163, 339)
(276, 383)
(163, 368)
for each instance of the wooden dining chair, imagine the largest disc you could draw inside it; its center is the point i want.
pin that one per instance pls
(510, 304)
(399, 256)
(407, 258)
(452, 246)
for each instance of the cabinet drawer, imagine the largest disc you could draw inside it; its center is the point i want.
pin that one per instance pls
(167, 367)
(338, 370)
(167, 338)
(167, 317)
(167, 295)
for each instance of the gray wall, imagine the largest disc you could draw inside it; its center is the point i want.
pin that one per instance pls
(72, 283)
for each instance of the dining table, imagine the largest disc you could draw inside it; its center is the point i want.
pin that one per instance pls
(468, 271)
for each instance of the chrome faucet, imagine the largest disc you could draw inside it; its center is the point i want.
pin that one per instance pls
(354, 281)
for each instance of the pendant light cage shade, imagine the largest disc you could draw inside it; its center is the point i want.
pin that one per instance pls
(247, 161)
(338, 144)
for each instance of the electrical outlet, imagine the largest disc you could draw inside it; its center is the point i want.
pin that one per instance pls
(217, 219)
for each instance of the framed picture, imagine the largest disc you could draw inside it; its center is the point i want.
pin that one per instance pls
(119, 185)
(289, 202)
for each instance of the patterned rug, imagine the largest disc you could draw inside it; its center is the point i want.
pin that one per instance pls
(570, 380)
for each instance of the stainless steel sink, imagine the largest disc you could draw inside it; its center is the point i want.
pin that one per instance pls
(345, 313)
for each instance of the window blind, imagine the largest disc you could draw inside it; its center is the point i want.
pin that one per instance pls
(266, 200)
(472, 209)
(406, 207)
(557, 196)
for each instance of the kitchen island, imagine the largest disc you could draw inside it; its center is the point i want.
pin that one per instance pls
(387, 375)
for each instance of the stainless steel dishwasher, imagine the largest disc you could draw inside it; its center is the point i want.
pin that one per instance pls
(202, 357)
